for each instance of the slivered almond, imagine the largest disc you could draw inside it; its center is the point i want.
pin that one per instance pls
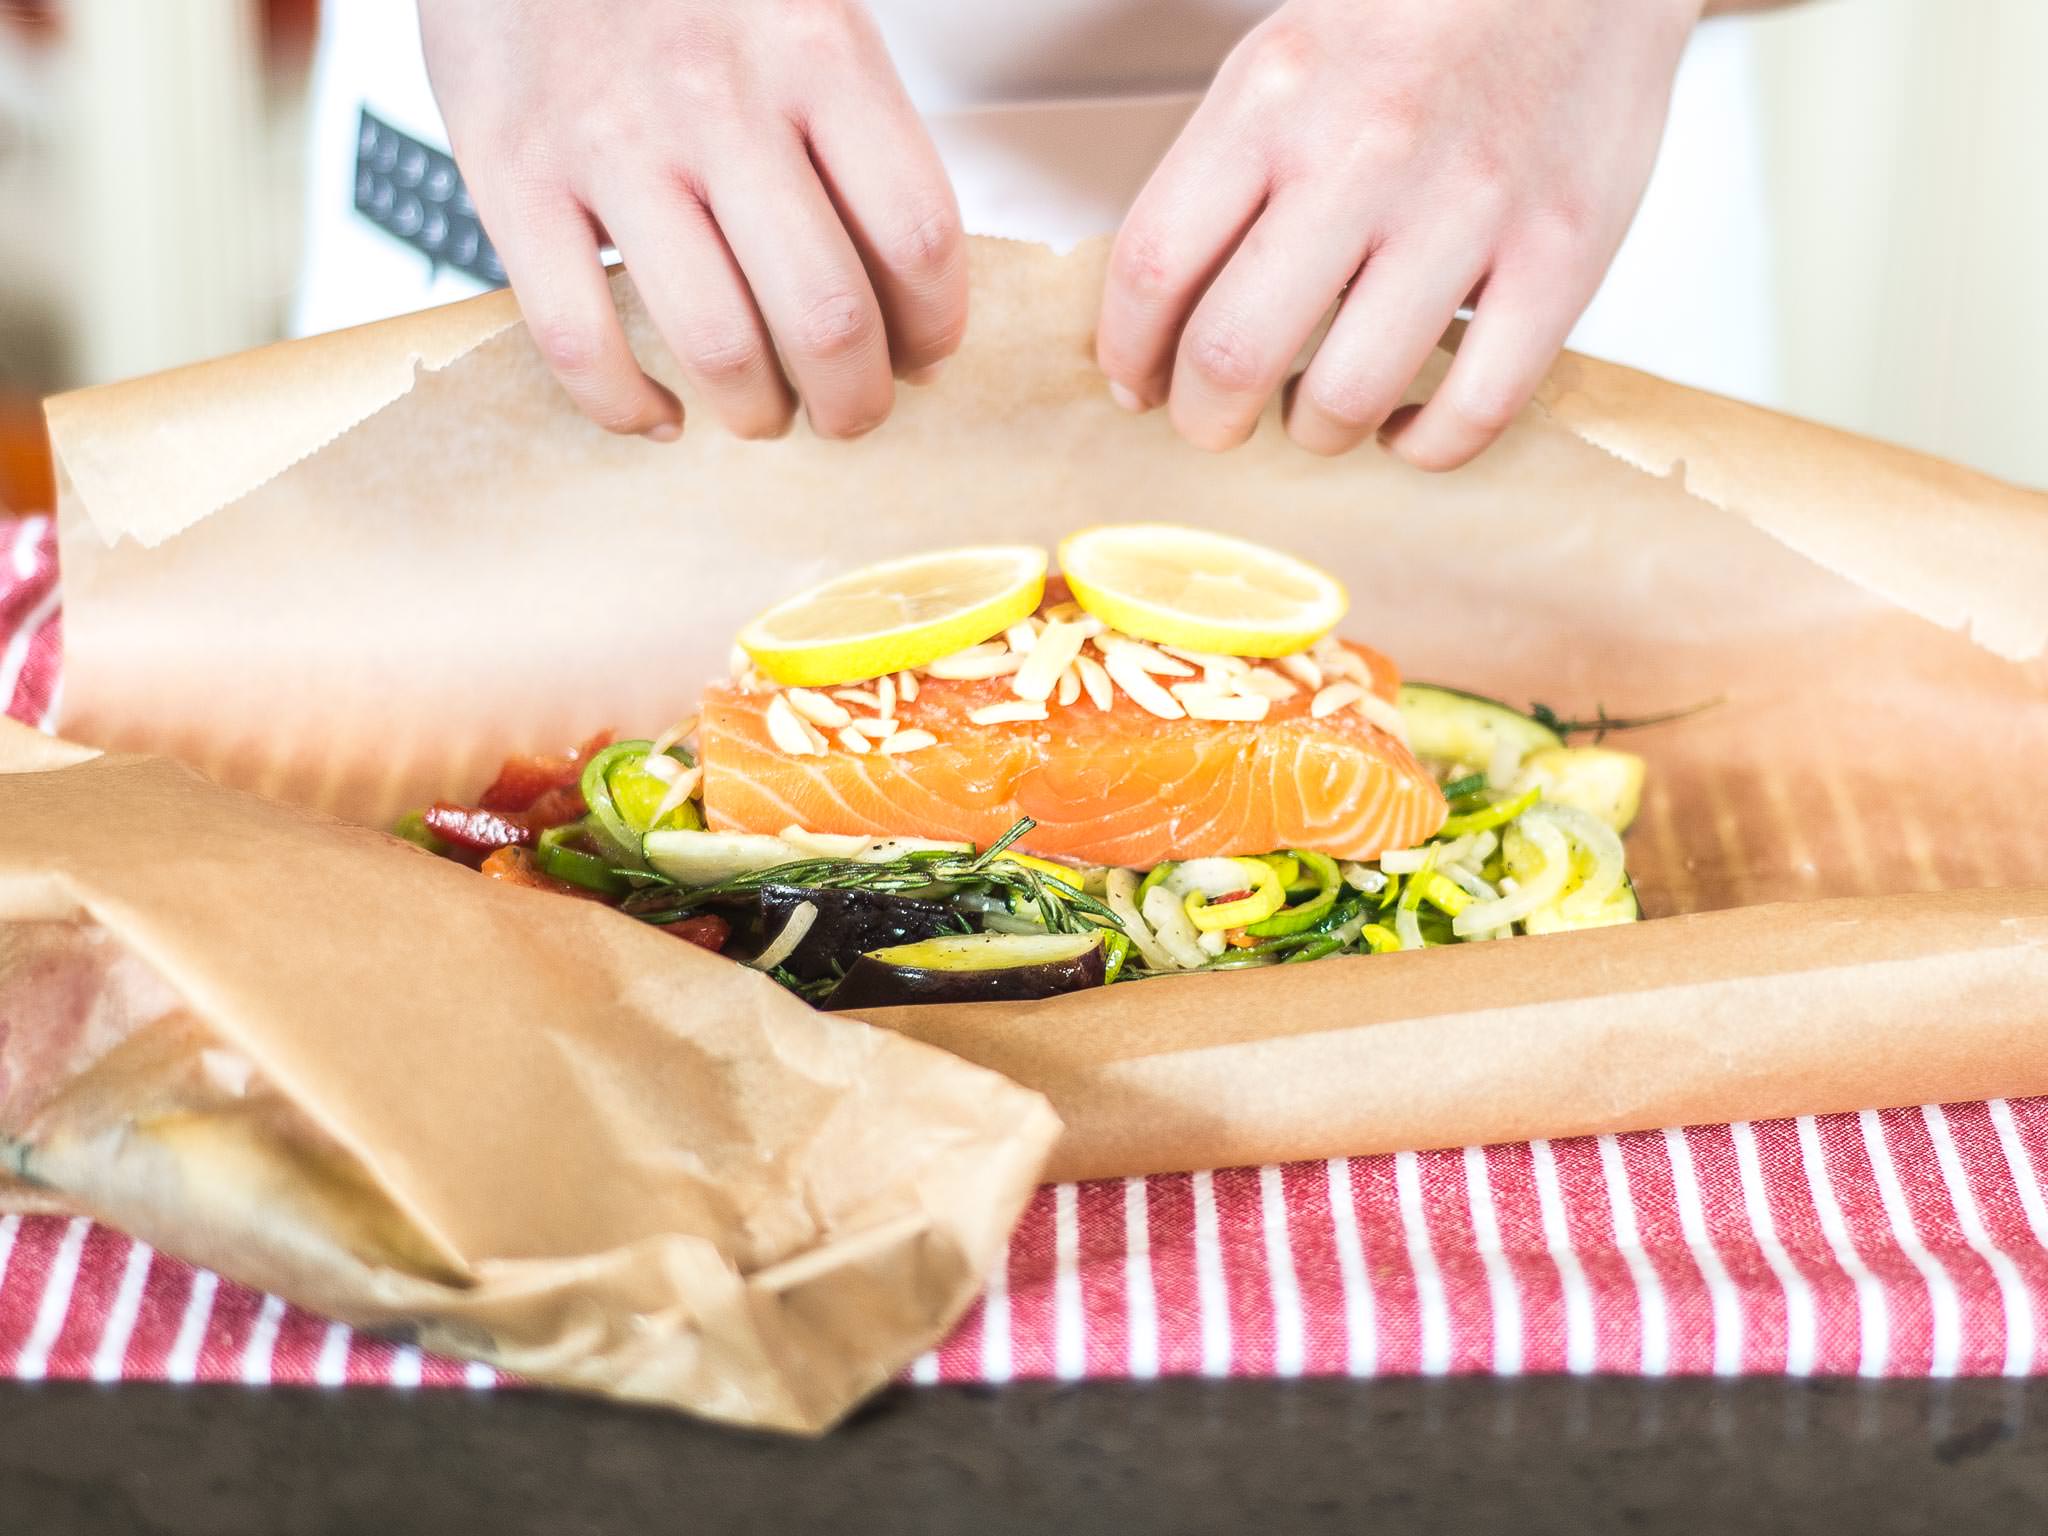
(1130, 675)
(817, 709)
(1205, 701)
(853, 741)
(908, 741)
(1265, 683)
(1101, 692)
(1142, 655)
(1302, 668)
(885, 690)
(1070, 685)
(965, 668)
(1022, 635)
(788, 730)
(1333, 698)
(1382, 714)
(906, 687)
(1007, 711)
(1040, 674)
(862, 697)
(877, 728)
(1342, 661)
(1209, 661)
(1065, 613)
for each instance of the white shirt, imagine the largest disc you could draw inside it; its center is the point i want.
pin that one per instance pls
(1050, 115)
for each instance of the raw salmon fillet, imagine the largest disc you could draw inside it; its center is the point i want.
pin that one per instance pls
(1117, 787)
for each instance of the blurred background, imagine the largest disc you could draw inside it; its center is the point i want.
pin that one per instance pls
(152, 189)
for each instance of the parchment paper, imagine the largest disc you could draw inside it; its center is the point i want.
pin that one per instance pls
(509, 1125)
(354, 574)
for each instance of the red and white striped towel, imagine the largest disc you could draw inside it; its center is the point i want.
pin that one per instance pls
(1906, 1242)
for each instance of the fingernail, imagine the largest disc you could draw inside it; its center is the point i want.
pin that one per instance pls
(926, 374)
(663, 432)
(1124, 397)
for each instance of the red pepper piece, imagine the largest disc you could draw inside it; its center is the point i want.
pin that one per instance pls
(557, 807)
(476, 828)
(707, 930)
(525, 778)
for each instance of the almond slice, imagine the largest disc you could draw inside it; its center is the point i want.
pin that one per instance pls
(877, 728)
(1302, 668)
(1022, 635)
(906, 687)
(1265, 683)
(863, 698)
(790, 732)
(1007, 711)
(817, 709)
(966, 668)
(1040, 673)
(1333, 698)
(1101, 692)
(885, 690)
(1130, 675)
(853, 741)
(908, 741)
(1209, 661)
(1384, 715)
(1142, 655)
(1205, 701)
(1070, 684)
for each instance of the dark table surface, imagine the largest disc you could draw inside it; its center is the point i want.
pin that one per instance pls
(1465, 1456)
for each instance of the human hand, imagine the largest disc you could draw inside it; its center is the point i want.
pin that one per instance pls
(1407, 156)
(759, 168)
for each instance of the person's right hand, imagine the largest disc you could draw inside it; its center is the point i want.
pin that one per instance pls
(761, 172)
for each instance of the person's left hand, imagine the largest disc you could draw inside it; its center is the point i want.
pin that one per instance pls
(1407, 156)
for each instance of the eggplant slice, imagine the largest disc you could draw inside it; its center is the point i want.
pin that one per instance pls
(849, 923)
(974, 968)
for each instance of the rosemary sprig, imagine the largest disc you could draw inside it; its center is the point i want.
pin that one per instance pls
(927, 872)
(1602, 722)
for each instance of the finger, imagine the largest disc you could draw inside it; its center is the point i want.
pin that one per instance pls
(1179, 233)
(549, 253)
(1521, 323)
(808, 279)
(1249, 327)
(700, 303)
(1397, 310)
(885, 180)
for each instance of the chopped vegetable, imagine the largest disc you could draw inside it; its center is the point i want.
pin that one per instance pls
(476, 828)
(974, 967)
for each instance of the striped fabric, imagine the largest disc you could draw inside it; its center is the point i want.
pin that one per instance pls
(1908, 1242)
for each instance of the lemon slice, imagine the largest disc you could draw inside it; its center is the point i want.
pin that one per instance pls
(901, 613)
(1201, 591)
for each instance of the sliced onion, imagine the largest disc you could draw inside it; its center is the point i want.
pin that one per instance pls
(661, 766)
(1598, 839)
(1538, 891)
(1404, 861)
(1408, 929)
(1168, 915)
(1504, 765)
(1212, 877)
(1359, 878)
(1348, 930)
(1119, 891)
(801, 917)
(1468, 882)
(680, 788)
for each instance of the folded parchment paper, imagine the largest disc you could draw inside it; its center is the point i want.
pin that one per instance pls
(510, 1125)
(352, 572)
